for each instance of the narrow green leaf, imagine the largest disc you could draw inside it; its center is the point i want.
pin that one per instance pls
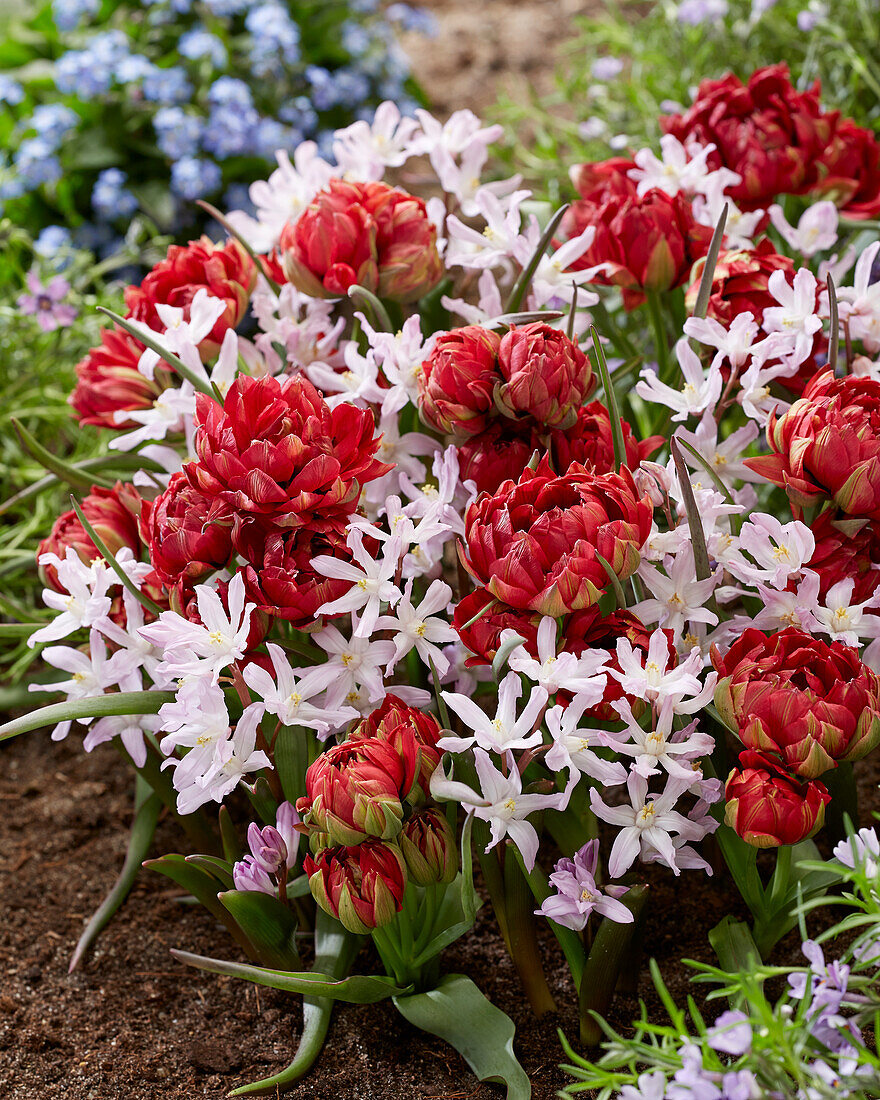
(204, 886)
(615, 581)
(524, 317)
(170, 358)
(229, 837)
(375, 310)
(335, 952)
(522, 284)
(833, 325)
(291, 757)
(457, 1012)
(101, 706)
(262, 799)
(701, 308)
(126, 581)
(360, 989)
(115, 463)
(143, 828)
(233, 232)
(611, 402)
(698, 538)
(64, 471)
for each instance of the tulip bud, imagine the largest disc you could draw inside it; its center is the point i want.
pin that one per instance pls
(429, 848)
(362, 886)
(355, 790)
(546, 376)
(768, 806)
(458, 379)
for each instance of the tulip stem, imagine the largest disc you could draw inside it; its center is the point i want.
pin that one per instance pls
(841, 786)
(661, 337)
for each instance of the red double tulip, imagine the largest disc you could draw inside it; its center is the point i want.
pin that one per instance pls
(186, 541)
(112, 513)
(277, 456)
(280, 578)
(356, 790)
(545, 375)
(458, 379)
(409, 731)
(811, 703)
(108, 382)
(769, 807)
(646, 242)
(361, 886)
(535, 544)
(767, 131)
(226, 271)
(842, 555)
(480, 619)
(368, 234)
(849, 171)
(826, 447)
(505, 448)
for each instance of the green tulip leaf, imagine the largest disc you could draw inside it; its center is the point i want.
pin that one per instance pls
(123, 702)
(457, 1012)
(359, 989)
(335, 952)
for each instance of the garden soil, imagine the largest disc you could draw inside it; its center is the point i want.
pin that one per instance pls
(132, 1024)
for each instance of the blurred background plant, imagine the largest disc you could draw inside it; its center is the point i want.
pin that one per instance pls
(114, 112)
(49, 294)
(636, 61)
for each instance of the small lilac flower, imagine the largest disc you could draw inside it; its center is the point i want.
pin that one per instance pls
(606, 68)
(696, 12)
(46, 303)
(731, 1033)
(578, 895)
(861, 851)
(273, 852)
(267, 847)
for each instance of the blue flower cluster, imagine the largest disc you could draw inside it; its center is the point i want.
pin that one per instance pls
(201, 92)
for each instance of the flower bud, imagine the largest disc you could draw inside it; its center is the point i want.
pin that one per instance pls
(361, 886)
(267, 847)
(429, 848)
(768, 806)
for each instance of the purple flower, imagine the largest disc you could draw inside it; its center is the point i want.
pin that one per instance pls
(46, 303)
(606, 68)
(577, 894)
(731, 1033)
(273, 851)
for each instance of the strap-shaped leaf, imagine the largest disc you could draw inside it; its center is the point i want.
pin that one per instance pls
(359, 989)
(64, 471)
(146, 813)
(522, 284)
(335, 952)
(268, 924)
(100, 706)
(457, 1012)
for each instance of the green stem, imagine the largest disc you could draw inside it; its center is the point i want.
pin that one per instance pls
(661, 337)
(522, 939)
(841, 786)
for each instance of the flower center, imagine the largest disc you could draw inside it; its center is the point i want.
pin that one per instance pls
(645, 816)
